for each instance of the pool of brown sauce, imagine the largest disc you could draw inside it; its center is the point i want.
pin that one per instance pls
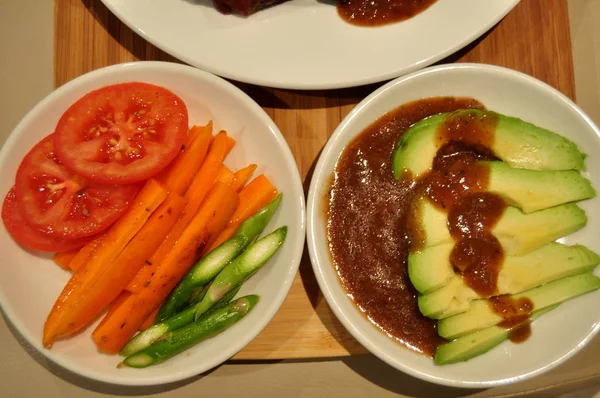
(380, 12)
(369, 213)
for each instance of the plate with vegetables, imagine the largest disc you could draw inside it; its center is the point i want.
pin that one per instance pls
(458, 241)
(153, 222)
(310, 44)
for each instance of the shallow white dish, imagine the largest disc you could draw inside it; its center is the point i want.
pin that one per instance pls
(556, 335)
(304, 44)
(30, 282)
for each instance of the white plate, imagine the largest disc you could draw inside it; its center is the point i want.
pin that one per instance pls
(30, 283)
(304, 44)
(556, 335)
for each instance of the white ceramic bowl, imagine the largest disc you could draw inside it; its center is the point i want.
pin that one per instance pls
(30, 283)
(557, 335)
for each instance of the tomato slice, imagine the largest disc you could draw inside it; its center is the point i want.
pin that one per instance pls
(59, 203)
(123, 133)
(25, 235)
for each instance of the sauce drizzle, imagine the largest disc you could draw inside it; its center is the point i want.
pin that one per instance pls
(380, 12)
(516, 313)
(456, 184)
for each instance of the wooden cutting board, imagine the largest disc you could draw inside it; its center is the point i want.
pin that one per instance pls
(534, 38)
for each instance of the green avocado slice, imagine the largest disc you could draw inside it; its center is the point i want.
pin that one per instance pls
(533, 190)
(517, 232)
(456, 296)
(518, 143)
(478, 343)
(480, 314)
(431, 269)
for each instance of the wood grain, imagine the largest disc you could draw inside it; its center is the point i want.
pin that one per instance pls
(533, 38)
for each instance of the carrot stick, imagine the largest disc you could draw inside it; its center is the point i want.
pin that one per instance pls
(86, 252)
(195, 194)
(115, 240)
(230, 142)
(118, 274)
(225, 176)
(179, 175)
(242, 176)
(121, 325)
(64, 258)
(195, 130)
(112, 308)
(207, 174)
(253, 197)
(150, 320)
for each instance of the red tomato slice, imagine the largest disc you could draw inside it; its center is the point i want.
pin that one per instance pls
(59, 203)
(123, 133)
(26, 236)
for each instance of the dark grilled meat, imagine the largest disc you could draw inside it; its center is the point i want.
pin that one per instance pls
(243, 7)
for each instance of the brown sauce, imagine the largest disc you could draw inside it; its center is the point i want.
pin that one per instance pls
(520, 333)
(367, 226)
(371, 220)
(380, 12)
(515, 314)
(477, 254)
(456, 184)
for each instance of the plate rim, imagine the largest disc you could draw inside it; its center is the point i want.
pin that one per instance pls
(313, 212)
(265, 82)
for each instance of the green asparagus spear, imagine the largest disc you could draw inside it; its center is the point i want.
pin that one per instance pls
(206, 269)
(242, 268)
(146, 337)
(180, 340)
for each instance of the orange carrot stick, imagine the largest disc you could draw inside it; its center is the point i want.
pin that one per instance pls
(179, 175)
(86, 252)
(207, 174)
(225, 176)
(115, 240)
(195, 130)
(64, 258)
(150, 320)
(195, 195)
(119, 273)
(242, 176)
(253, 197)
(125, 320)
(230, 142)
(112, 308)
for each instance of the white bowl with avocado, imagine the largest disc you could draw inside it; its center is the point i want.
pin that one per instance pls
(546, 229)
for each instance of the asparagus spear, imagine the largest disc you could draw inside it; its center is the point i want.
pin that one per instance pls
(209, 266)
(146, 337)
(180, 340)
(242, 268)
(228, 280)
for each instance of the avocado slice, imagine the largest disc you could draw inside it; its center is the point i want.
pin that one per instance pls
(478, 343)
(451, 299)
(480, 315)
(431, 269)
(516, 142)
(517, 275)
(521, 233)
(533, 190)
(517, 232)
